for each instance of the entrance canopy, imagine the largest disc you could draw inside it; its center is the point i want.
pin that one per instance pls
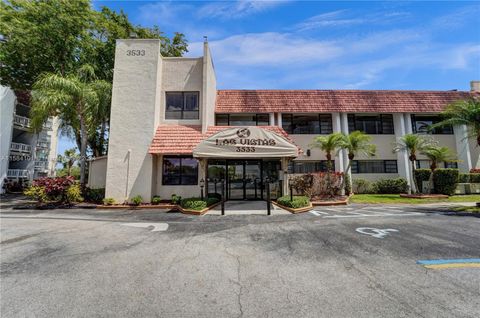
(245, 142)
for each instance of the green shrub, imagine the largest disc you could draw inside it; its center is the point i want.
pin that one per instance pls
(109, 201)
(362, 186)
(391, 186)
(73, 193)
(137, 200)
(193, 204)
(463, 178)
(422, 175)
(94, 195)
(445, 181)
(37, 193)
(474, 177)
(176, 199)
(348, 184)
(156, 200)
(212, 200)
(297, 202)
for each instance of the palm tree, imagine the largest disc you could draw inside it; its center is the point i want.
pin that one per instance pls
(74, 99)
(413, 144)
(357, 143)
(463, 112)
(70, 156)
(437, 155)
(329, 144)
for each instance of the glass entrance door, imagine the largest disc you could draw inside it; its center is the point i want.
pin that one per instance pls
(253, 180)
(236, 186)
(244, 179)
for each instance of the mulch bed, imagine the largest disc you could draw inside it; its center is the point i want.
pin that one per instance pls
(326, 201)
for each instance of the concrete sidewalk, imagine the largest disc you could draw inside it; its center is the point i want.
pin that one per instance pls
(247, 207)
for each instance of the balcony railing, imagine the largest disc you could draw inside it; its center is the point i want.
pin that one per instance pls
(43, 144)
(21, 121)
(17, 173)
(18, 147)
(41, 165)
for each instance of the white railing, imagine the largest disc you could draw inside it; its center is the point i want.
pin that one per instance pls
(15, 146)
(43, 144)
(17, 173)
(21, 121)
(41, 165)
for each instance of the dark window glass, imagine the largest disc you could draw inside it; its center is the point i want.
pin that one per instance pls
(182, 105)
(221, 120)
(309, 166)
(371, 124)
(374, 166)
(307, 124)
(422, 164)
(421, 123)
(242, 119)
(180, 171)
(453, 165)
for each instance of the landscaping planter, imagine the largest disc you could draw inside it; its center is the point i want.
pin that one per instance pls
(292, 210)
(331, 202)
(137, 207)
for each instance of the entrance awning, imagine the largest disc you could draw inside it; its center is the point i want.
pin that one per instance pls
(245, 142)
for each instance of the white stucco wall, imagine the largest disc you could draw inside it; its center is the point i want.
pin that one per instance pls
(209, 89)
(134, 119)
(97, 173)
(7, 105)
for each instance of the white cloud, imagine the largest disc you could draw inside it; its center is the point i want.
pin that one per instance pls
(236, 9)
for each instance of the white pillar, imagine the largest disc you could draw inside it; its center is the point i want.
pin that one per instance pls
(337, 127)
(408, 123)
(344, 126)
(402, 156)
(279, 120)
(272, 119)
(463, 148)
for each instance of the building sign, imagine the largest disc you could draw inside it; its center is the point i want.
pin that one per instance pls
(245, 142)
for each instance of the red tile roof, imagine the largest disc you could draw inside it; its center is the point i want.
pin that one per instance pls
(309, 101)
(181, 139)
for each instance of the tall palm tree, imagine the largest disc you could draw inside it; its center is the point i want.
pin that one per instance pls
(413, 144)
(330, 145)
(73, 98)
(68, 159)
(357, 143)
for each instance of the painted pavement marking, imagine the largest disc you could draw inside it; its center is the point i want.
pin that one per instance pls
(450, 263)
(156, 226)
(377, 233)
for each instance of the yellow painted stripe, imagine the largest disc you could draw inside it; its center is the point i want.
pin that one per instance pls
(453, 265)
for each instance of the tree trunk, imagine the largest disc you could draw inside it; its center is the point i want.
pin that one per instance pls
(83, 150)
(415, 185)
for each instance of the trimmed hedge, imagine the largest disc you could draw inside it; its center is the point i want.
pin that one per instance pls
(464, 178)
(391, 186)
(445, 181)
(474, 177)
(297, 202)
(197, 204)
(422, 175)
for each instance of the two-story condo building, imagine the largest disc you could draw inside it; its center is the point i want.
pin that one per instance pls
(173, 132)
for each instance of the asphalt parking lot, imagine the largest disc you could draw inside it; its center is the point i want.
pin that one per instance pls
(354, 261)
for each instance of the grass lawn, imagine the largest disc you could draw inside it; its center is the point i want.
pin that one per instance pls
(395, 198)
(471, 209)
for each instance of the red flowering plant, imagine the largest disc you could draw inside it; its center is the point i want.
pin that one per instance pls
(55, 189)
(475, 170)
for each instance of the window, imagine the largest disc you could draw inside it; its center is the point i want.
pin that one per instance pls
(309, 166)
(242, 119)
(420, 124)
(371, 124)
(180, 171)
(374, 166)
(425, 164)
(307, 124)
(182, 105)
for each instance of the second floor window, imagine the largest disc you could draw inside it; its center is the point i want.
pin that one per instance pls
(307, 124)
(421, 124)
(181, 105)
(371, 124)
(242, 119)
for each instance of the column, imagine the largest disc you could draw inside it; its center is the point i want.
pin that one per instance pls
(344, 127)
(463, 149)
(272, 119)
(337, 127)
(279, 120)
(403, 164)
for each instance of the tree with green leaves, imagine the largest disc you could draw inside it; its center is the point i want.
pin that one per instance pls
(357, 143)
(437, 155)
(68, 159)
(330, 145)
(413, 144)
(74, 98)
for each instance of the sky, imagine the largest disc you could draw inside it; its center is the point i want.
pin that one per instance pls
(420, 45)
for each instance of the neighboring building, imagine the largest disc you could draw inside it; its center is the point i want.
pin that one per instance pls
(24, 155)
(173, 132)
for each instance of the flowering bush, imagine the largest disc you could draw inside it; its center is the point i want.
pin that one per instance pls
(475, 170)
(59, 189)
